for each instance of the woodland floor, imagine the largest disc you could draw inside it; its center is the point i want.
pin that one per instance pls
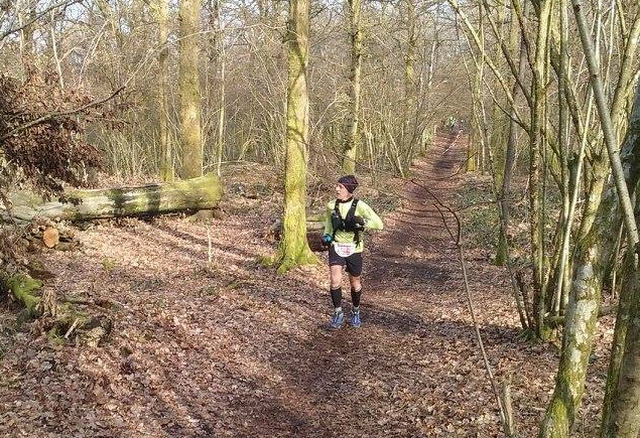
(230, 349)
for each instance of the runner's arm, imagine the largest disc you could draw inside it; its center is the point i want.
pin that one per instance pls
(372, 220)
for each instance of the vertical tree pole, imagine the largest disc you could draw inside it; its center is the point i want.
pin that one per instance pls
(355, 80)
(409, 126)
(410, 81)
(517, 45)
(621, 410)
(294, 248)
(537, 144)
(26, 20)
(223, 69)
(190, 106)
(161, 10)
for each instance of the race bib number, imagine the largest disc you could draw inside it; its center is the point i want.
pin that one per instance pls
(344, 249)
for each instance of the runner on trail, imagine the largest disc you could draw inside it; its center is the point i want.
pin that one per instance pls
(345, 221)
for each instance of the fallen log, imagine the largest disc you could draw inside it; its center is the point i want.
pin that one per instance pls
(199, 193)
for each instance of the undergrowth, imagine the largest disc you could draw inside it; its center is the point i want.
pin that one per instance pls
(478, 211)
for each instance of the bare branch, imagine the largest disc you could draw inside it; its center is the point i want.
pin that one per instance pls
(54, 115)
(38, 16)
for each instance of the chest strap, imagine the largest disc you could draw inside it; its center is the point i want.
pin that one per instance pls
(346, 224)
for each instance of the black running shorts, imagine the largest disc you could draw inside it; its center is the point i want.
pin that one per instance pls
(353, 262)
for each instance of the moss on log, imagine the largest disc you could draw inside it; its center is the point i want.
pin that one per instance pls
(66, 319)
(200, 193)
(23, 287)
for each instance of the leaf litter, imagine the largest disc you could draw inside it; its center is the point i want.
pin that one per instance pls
(208, 342)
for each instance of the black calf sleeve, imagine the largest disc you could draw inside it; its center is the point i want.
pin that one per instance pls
(355, 297)
(336, 297)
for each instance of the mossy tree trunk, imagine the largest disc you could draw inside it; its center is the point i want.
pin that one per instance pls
(190, 106)
(593, 251)
(621, 408)
(537, 145)
(613, 416)
(592, 254)
(352, 134)
(67, 316)
(294, 248)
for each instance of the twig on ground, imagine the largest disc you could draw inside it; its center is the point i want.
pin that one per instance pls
(72, 328)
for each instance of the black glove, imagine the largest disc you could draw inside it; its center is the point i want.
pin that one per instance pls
(358, 223)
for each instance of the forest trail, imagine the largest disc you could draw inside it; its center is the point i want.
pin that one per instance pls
(230, 349)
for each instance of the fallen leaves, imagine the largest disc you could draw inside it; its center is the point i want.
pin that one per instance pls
(230, 349)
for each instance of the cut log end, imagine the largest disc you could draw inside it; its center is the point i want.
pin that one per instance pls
(50, 237)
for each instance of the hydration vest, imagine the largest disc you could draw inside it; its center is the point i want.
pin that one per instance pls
(346, 224)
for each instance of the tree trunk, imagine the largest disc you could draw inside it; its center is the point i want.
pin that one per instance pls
(580, 324)
(537, 146)
(161, 10)
(625, 415)
(222, 113)
(194, 194)
(614, 412)
(607, 125)
(560, 269)
(410, 81)
(294, 249)
(190, 106)
(26, 20)
(68, 318)
(509, 158)
(352, 134)
(409, 127)
(621, 410)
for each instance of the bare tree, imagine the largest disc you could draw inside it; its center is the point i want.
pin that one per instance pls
(355, 80)
(294, 248)
(161, 9)
(190, 106)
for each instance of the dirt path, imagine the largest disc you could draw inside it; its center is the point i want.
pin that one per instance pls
(232, 350)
